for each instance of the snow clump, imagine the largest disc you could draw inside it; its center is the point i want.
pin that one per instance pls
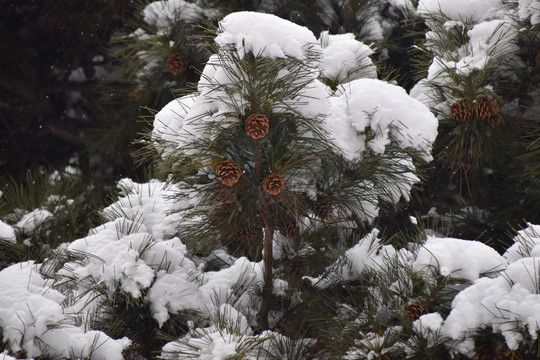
(7, 233)
(458, 258)
(264, 35)
(344, 58)
(366, 107)
(32, 319)
(508, 303)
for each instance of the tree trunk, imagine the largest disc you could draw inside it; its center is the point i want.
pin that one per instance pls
(268, 278)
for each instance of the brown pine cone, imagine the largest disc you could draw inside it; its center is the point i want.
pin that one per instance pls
(228, 172)
(486, 107)
(504, 353)
(177, 63)
(273, 183)
(290, 230)
(257, 126)
(414, 309)
(323, 208)
(244, 234)
(461, 110)
(297, 266)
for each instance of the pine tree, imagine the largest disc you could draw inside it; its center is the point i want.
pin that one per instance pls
(468, 85)
(253, 148)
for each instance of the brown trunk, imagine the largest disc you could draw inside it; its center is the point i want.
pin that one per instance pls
(268, 280)
(269, 226)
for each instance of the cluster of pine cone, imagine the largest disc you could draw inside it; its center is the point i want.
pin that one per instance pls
(483, 107)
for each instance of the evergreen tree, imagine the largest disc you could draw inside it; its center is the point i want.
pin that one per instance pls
(254, 149)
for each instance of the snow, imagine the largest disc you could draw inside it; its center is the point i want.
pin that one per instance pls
(458, 258)
(264, 35)
(125, 251)
(491, 41)
(529, 9)
(137, 250)
(367, 254)
(28, 306)
(495, 303)
(345, 58)
(428, 323)
(231, 339)
(312, 101)
(187, 288)
(7, 233)
(525, 272)
(462, 10)
(405, 4)
(168, 124)
(77, 75)
(387, 111)
(487, 40)
(4, 356)
(116, 258)
(355, 260)
(163, 14)
(32, 220)
(32, 319)
(526, 243)
(147, 203)
(508, 303)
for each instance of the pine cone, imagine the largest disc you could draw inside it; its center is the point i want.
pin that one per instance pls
(504, 353)
(290, 230)
(273, 183)
(177, 63)
(297, 266)
(228, 172)
(244, 234)
(461, 110)
(414, 309)
(484, 352)
(489, 109)
(322, 208)
(257, 126)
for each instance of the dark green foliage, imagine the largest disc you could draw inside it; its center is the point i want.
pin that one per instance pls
(70, 203)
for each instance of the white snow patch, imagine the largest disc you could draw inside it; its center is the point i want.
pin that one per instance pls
(386, 111)
(33, 320)
(32, 220)
(463, 10)
(526, 243)
(186, 288)
(265, 34)
(77, 75)
(458, 258)
(7, 233)
(168, 124)
(163, 14)
(345, 58)
(428, 323)
(497, 303)
(529, 8)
